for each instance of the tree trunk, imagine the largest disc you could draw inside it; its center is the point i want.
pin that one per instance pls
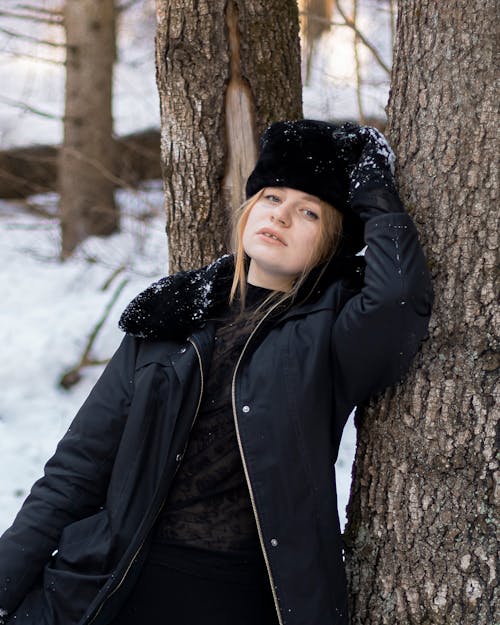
(421, 540)
(315, 18)
(225, 69)
(86, 160)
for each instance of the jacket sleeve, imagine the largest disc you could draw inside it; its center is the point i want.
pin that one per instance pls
(75, 479)
(379, 330)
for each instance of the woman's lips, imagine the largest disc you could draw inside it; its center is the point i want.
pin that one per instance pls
(270, 236)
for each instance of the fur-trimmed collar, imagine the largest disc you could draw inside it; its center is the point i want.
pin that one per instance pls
(175, 305)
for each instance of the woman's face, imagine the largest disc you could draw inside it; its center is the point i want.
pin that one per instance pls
(281, 235)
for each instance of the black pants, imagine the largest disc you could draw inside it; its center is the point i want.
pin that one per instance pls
(167, 595)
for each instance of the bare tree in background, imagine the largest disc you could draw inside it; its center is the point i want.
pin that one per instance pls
(224, 70)
(32, 169)
(86, 160)
(320, 17)
(422, 536)
(315, 20)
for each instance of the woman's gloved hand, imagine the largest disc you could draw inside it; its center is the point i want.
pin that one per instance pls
(370, 164)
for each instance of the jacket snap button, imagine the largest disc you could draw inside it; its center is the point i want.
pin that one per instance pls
(274, 542)
(246, 408)
(178, 458)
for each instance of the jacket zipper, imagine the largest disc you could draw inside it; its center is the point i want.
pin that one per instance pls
(157, 514)
(247, 476)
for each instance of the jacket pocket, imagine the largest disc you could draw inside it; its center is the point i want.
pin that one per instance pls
(85, 545)
(68, 594)
(58, 598)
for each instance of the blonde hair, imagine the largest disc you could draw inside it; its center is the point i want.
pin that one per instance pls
(330, 234)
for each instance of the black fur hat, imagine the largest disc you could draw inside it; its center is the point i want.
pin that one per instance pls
(305, 155)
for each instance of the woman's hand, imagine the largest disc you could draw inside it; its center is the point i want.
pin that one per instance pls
(370, 164)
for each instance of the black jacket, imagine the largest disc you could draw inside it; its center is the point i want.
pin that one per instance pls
(300, 375)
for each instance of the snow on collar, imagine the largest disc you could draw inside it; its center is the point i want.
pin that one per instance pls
(173, 306)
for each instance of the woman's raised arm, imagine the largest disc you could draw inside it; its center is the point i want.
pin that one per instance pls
(380, 329)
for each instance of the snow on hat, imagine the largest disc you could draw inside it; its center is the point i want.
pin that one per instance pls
(305, 155)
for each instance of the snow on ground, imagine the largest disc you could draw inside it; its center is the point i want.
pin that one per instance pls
(48, 310)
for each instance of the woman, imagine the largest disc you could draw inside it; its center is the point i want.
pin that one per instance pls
(196, 484)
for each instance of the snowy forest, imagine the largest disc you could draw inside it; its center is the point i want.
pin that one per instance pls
(111, 153)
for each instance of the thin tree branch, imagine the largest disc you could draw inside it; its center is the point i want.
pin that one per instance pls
(106, 173)
(34, 187)
(92, 362)
(31, 7)
(392, 12)
(32, 18)
(25, 55)
(29, 109)
(44, 42)
(363, 39)
(39, 210)
(73, 375)
(109, 280)
(357, 64)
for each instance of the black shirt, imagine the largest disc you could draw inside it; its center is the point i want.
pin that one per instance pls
(208, 506)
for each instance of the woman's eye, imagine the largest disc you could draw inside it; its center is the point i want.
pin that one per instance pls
(310, 214)
(273, 198)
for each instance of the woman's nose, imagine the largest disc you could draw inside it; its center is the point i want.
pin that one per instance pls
(280, 215)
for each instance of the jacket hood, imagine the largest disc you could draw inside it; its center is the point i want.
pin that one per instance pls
(175, 305)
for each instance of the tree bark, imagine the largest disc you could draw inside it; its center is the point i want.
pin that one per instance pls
(87, 157)
(225, 69)
(422, 535)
